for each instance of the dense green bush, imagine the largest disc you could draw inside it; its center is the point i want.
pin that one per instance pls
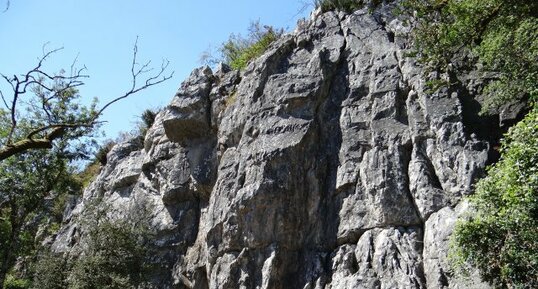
(238, 57)
(343, 5)
(501, 34)
(12, 282)
(50, 271)
(101, 153)
(114, 253)
(238, 50)
(501, 237)
(115, 250)
(114, 258)
(147, 118)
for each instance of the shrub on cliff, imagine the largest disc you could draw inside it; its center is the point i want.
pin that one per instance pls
(501, 237)
(344, 5)
(12, 282)
(50, 271)
(113, 258)
(238, 50)
(501, 34)
(114, 253)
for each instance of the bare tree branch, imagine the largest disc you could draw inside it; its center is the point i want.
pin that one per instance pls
(43, 136)
(135, 73)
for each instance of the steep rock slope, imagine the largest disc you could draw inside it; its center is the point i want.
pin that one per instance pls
(324, 164)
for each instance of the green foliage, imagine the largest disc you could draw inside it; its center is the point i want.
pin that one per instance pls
(237, 51)
(113, 259)
(344, 5)
(501, 34)
(148, 117)
(501, 237)
(114, 253)
(26, 181)
(88, 174)
(5, 230)
(50, 271)
(12, 282)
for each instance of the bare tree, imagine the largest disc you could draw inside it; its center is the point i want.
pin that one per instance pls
(42, 107)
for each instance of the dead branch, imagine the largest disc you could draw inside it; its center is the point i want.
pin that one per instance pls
(42, 137)
(135, 73)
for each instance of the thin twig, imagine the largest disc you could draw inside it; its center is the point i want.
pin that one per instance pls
(135, 73)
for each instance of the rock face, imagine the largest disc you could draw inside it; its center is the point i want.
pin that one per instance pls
(324, 164)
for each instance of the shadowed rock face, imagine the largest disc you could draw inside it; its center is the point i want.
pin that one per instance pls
(323, 165)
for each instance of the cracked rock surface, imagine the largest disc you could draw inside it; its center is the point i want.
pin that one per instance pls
(324, 164)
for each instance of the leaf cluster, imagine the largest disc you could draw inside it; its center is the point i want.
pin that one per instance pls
(33, 187)
(239, 50)
(501, 34)
(115, 254)
(347, 6)
(12, 282)
(501, 237)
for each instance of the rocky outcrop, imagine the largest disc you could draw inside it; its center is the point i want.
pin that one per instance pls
(324, 164)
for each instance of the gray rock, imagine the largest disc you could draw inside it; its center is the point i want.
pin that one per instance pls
(187, 117)
(324, 164)
(438, 271)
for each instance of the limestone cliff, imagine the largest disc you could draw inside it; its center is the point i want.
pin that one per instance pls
(324, 164)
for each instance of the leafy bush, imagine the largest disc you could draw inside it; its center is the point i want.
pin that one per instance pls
(501, 34)
(50, 272)
(147, 118)
(237, 51)
(114, 254)
(113, 259)
(88, 174)
(501, 237)
(341, 5)
(12, 282)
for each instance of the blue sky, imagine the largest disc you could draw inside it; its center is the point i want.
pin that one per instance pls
(102, 34)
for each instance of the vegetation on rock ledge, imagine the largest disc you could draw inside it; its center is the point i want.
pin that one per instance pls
(501, 238)
(238, 51)
(501, 34)
(344, 5)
